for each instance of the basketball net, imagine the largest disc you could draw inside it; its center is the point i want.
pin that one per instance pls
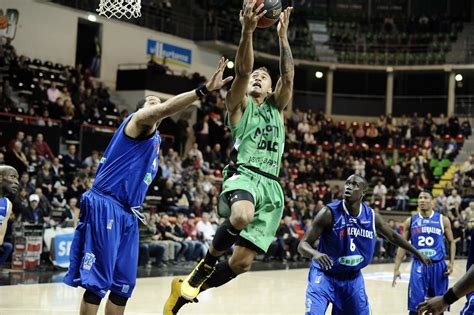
(119, 8)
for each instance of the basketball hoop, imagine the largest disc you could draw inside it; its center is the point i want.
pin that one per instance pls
(119, 8)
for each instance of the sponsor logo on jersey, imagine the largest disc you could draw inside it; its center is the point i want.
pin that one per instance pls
(147, 179)
(426, 229)
(428, 252)
(352, 260)
(356, 232)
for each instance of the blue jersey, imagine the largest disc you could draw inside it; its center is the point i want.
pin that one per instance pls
(128, 167)
(427, 235)
(351, 241)
(3, 209)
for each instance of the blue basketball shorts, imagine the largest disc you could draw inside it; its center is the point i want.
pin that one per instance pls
(347, 294)
(468, 308)
(426, 282)
(104, 251)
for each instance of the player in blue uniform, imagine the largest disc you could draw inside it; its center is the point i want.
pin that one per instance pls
(427, 230)
(469, 307)
(8, 187)
(104, 252)
(346, 230)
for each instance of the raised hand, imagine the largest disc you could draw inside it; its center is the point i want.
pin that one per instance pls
(216, 81)
(282, 28)
(249, 17)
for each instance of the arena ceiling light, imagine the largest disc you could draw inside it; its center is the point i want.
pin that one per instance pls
(230, 64)
(92, 17)
(319, 74)
(458, 77)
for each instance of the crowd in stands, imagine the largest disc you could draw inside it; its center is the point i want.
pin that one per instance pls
(394, 154)
(55, 94)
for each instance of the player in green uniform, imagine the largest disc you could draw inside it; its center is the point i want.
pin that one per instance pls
(252, 199)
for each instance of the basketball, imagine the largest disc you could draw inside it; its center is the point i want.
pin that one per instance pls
(273, 8)
(3, 21)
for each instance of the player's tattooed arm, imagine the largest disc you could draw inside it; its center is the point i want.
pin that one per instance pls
(321, 223)
(384, 229)
(448, 233)
(284, 86)
(244, 59)
(401, 252)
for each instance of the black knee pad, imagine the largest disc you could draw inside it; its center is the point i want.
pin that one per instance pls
(91, 298)
(117, 299)
(238, 195)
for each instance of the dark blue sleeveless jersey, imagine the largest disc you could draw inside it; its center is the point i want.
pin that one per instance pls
(128, 167)
(3, 209)
(427, 235)
(351, 242)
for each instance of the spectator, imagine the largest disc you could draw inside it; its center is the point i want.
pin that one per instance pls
(72, 211)
(53, 93)
(17, 159)
(286, 235)
(380, 192)
(402, 197)
(150, 245)
(34, 214)
(20, 137)
(26, 184)
(42, 147)
(205, 228)
(70, 162)
(441, 203)
(93, 159)
(453, 202)
(166, 231)
(194, 248)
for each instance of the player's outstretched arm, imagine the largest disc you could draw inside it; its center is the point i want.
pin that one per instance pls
(384, 229)
(146, 119)
(322, 221)
(448, 233)
(401, 252)
(439, 304)
(244, 59)
(284, 86)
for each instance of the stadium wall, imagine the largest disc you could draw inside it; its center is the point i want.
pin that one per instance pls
(48, 31)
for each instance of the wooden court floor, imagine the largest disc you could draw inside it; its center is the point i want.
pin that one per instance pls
(263, 292)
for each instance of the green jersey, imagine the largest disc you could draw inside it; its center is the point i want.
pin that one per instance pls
(259, 138)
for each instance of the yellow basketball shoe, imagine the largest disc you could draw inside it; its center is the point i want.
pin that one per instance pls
(175, 294)
(191, 285)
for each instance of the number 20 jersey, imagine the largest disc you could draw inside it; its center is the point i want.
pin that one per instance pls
(427, 235)
(351, 241)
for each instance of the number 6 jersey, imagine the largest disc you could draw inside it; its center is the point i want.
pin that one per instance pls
(351, 241)
(427, 235)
